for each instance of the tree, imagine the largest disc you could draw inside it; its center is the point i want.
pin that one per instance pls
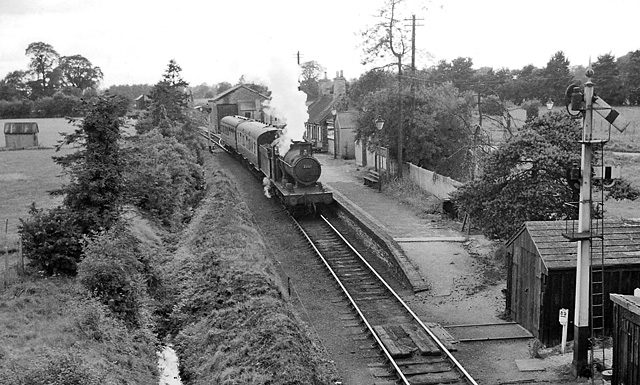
(223, 86)
(630, 70)
(204, 91)
(168, 103)
(557, 78)
(606, 77)
(78, 72)
(96, 169)
(442, 134)
(311, 72)
(44, 59)
(462, 74)
(525, 178)
(368, 83)
(92, 199)
(381, 39)
(14, 86)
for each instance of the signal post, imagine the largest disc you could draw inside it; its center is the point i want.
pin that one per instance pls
(583, 277)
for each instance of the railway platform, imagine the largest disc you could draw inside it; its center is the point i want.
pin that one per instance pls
(427, 252)
(444, 276)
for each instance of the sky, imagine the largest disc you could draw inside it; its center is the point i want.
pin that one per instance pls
(132, 41)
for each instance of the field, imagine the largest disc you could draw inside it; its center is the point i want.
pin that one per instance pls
(623, 149)
(27, 175)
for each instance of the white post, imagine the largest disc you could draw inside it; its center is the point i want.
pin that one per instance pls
(581, 315)
(564, 320)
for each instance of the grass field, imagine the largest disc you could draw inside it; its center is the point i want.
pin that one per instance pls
(50, 130)
(26, 176)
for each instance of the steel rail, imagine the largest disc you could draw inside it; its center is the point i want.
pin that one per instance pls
(353, 303)
(407, 308)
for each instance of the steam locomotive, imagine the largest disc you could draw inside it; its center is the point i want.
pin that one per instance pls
(292, 177)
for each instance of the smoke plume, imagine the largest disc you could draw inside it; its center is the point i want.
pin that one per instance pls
(287, 102)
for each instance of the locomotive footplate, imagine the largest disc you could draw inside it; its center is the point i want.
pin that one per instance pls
(303, 196)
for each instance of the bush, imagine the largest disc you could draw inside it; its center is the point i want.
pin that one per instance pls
(622, 189)
(51, 240)
(164, 178)
(58, 105)
(115, 269)
(57, 367)
(15, 109)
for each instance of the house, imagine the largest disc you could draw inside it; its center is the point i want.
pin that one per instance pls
(319, 127)
(239, 100)
(331, 126)
(542, 273)
(141, 102)
(345, 130)
(21, 134)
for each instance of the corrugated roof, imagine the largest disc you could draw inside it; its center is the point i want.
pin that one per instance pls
(18, 128)
(621, 243)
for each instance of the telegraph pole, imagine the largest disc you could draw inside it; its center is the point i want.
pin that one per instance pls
(584, 236)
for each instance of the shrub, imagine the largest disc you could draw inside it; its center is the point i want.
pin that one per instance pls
(57, 367)
(15, 109)
(115, 269)
(622, 189)
(58, 105)
(51, 240)
(164, 178)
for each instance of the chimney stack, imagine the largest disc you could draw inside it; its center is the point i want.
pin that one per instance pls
(339, 84)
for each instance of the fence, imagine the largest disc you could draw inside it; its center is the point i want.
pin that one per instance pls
(11, 260)
(376, 155)
(436, 184)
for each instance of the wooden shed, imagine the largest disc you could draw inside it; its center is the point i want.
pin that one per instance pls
(542, 273)
(626, 339)
(21, 134)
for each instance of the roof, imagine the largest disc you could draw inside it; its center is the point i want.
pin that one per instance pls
(234, 89)
(321, 109)
(621, 243)
(348, 119)
(629, 302)
(19, 128)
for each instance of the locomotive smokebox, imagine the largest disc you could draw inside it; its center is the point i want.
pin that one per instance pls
(300, 164)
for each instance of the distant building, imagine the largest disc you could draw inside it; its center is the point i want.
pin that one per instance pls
(331, 133)
(141, 102)
(21, 134)
(239, 100)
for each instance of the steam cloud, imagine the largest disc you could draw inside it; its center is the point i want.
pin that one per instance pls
(287, 102)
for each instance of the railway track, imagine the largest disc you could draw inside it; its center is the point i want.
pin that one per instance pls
(414, 353)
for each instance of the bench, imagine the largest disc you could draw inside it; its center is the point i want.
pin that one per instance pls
(372, 178)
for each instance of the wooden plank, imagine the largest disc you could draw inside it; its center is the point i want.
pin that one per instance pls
(447, 339)
(426, 346)
(389, 343)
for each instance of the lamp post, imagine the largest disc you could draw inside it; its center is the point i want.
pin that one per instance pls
(334, 112)
(549, 104)
(379, 125)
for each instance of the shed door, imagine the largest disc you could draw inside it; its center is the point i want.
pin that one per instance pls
(226, 110)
